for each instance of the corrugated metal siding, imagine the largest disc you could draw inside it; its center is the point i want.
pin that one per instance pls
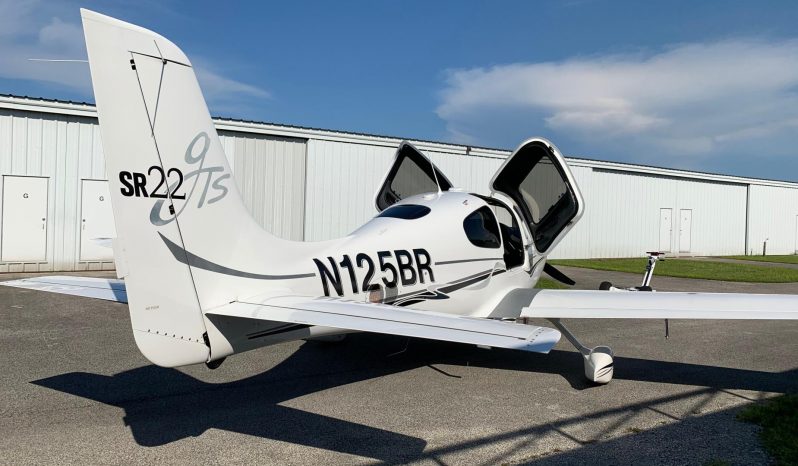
(718, 223)
(323, 187)
(472, 173)
(341, 182)
(342, 179)
(65, 149)
(270, 173)
(773, 216)
(622, 215)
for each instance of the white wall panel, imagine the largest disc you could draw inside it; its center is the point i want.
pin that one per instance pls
(472, 173)
(622, 215)
(342, 180)
(772, 216)
(324, 188)
(718, 216)
(270, 174)
(60, 147)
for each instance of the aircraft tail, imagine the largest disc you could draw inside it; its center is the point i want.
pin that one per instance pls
(185, 240)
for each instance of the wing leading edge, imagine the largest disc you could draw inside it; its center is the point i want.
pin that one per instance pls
(378, 318)
(659, 305)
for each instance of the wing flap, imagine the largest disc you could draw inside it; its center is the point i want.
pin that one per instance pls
(368, 317)
(660, 305)
(89, 287)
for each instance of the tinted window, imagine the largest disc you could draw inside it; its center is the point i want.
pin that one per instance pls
(411, 179)
(411, 174)
(511, 233)
(542, 188)
(481, 228)
(405, 211)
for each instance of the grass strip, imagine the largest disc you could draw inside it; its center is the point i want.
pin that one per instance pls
(791, 259)
(685, 268)
(779, 420)
(549, 284)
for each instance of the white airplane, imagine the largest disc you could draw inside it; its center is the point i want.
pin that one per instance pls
(203, 281)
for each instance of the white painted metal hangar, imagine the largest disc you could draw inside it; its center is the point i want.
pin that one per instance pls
(313, 184)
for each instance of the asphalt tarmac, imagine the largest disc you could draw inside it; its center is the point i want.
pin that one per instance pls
(74, 389)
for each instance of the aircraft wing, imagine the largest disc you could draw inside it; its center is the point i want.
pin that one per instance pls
(89, 287)
(655, 305)
(379, 318)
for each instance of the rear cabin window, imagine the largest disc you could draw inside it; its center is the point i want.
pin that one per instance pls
(411, 179)
(405, 211)
(481, 228)
(411, 174)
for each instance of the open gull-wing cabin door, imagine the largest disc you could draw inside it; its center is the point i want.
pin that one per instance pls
(411, 173)
(539, 181)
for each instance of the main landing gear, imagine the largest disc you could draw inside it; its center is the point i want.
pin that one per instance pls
(598, 360)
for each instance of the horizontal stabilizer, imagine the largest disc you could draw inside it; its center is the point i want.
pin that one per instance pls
(659, 305)
(379, 318)
(89, 287)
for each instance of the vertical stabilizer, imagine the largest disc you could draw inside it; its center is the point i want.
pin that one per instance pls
(185, 237)
(166, 317)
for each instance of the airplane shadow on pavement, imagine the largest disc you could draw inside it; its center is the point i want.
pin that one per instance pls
(165, 405)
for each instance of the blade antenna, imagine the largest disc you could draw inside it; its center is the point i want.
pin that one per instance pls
(435, 175)
(58, 60)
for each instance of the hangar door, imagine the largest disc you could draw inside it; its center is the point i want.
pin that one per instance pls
(685, 230)
(24, 235)
(270, 173)
(97, 220)
(665, 230)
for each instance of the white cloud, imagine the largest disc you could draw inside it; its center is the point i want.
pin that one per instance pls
(214, 85)
(225, 95)
(63, 37)
(689, 99)
(36, 29)
(31, 31)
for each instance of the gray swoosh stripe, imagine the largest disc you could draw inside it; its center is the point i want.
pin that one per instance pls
(195, 261)
(460, 261)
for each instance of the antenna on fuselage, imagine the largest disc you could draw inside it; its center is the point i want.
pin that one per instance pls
(435, 175)
(58, 60)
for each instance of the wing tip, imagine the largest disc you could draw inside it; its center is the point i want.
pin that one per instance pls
(543, 340)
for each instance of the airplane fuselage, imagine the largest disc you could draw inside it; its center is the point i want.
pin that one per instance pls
(426, 263)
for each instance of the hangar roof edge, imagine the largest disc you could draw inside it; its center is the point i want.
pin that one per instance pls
(88, 109)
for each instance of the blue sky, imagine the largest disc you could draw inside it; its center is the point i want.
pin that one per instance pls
(709, 85)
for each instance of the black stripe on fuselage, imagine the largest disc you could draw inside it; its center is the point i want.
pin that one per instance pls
(457, 286)
(463, 261)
